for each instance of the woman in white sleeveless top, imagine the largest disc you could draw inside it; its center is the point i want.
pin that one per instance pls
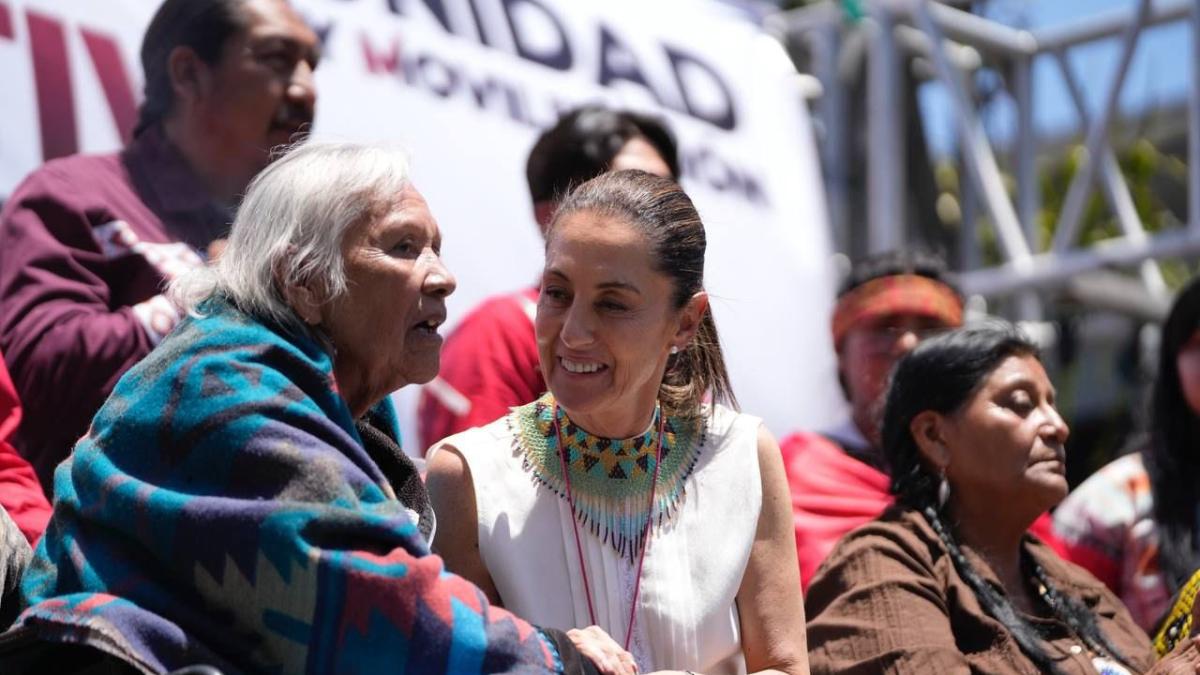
(620, 499)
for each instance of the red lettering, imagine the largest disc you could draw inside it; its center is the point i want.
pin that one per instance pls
(382, 63)
(6, 24)
(114, 79)
(52, 76)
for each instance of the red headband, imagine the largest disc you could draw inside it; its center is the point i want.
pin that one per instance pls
(896, 294)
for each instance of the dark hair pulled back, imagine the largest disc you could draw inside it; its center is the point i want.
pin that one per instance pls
(1173, 459)
(203, 25)
(943, 374)
(660, 209)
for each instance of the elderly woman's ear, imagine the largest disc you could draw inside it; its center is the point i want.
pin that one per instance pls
(928, 431)
(303, 297)
(305, 302)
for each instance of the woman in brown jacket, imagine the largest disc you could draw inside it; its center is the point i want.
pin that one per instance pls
(948, 580)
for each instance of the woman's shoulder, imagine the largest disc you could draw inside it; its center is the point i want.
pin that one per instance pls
(899, 536)
(897, 554)
(481, 440)
(724, 422)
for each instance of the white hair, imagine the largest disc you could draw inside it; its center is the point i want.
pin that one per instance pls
(290, 227)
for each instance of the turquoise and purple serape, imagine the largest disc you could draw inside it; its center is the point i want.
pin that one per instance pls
(222, 510)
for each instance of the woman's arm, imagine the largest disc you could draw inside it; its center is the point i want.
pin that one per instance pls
(769, 601)
(452, 495)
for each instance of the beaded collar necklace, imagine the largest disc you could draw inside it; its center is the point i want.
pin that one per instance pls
(610, 479)
(645, 537)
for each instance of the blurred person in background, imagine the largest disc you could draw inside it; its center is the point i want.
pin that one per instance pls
(241, 499)
(839, 480)
(21, 493)
(1134, 523)
(88, 242)
(948, 580)
(24, 510)
(490, 362)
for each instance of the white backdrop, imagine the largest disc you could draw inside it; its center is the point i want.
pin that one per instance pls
(464, 85)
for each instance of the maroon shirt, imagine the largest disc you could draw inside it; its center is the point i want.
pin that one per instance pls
(86, 245)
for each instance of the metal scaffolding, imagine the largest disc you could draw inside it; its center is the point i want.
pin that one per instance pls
(956, 42)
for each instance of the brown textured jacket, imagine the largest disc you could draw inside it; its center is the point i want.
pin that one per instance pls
(888, 599)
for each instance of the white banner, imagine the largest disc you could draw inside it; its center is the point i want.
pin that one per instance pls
(465, 85)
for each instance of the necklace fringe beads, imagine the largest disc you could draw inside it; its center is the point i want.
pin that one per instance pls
(610, 479)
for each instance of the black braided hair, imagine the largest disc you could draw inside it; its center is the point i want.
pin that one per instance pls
(943, 374)
(994, 602)
(1171, 459)
(1072, 611)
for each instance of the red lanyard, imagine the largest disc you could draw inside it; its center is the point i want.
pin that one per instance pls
(637, 586)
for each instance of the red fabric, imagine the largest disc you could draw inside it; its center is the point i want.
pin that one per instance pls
(491, 359)
(20, 493)
(833, 493)
(897, 294)
(1043, 528)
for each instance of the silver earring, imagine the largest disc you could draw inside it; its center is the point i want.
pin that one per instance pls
(943, 493)
(674, 349)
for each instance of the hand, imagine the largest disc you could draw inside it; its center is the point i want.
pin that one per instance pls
(1183, 660)
(603, 651)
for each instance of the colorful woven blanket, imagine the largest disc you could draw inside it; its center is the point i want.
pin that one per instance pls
(222, 510)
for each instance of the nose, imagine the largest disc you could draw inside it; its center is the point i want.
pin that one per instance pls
(1054, 427)
(302, 87)
(576, 327)
(439, 282)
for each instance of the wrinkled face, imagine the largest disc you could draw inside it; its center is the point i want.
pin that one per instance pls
(606, 323)
(261, 92)
(1006, 446)
(384, 327)
(1188, 363)
(867, 354)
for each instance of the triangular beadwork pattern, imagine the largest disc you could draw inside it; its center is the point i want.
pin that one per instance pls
(609, 478)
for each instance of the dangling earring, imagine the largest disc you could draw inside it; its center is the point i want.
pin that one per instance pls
(943, 492)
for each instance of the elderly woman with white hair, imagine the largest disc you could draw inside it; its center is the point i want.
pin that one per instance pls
(241, 500)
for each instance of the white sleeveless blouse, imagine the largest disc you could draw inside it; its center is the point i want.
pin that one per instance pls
(686, 616)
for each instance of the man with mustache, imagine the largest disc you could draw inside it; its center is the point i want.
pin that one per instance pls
(87, 243)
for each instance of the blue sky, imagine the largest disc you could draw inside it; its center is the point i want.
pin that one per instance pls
(1159, 74)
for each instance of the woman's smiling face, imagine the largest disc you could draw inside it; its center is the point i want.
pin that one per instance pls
(606, 322)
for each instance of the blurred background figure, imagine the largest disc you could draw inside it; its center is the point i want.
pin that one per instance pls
(948, 579)
(20, 492)
(24, 510)
(490, 362)
(87, 242)
(1134, 523)
(838, 478)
